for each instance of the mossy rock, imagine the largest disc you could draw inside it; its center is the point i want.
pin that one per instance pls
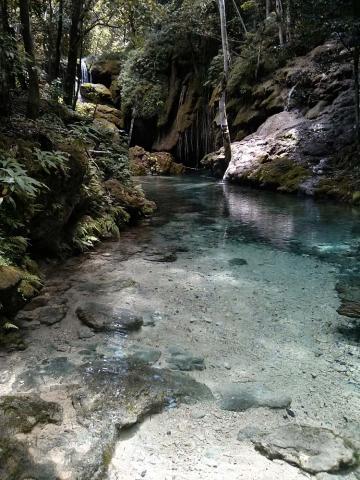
(96, 93)
(20, 414)
(16, 463)
(131, 198)
(11, 341)
(16, 287)
(281, 173)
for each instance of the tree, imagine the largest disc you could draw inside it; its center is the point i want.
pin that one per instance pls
(33, 104)
(222, 102)
(4, 60)
(74, 45)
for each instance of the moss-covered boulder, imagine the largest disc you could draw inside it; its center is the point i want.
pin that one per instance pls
(155, 163)
(132, 199)
(105, 69)
(96, 93)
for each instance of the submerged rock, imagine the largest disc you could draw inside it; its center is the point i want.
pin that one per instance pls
(20, 414)
(45, 315)
(238, 262)
(312, 449)
(102, 318)
(241, 397)
(184, 361)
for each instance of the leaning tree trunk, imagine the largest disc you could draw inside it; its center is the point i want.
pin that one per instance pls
(33, 105)
(222, 102)
(74, 45)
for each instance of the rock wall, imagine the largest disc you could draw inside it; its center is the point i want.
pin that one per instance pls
(309, 145)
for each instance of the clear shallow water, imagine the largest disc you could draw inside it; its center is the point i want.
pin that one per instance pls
(201, 213)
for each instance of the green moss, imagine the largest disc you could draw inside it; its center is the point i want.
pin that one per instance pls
(281, 173)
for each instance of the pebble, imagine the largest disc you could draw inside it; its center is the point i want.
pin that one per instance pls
(227, 366)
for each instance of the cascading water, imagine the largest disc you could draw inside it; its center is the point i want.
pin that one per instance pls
(289, 98)
(197, 140)
(85, 73)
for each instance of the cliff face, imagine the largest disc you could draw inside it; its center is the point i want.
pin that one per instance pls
(307, 145)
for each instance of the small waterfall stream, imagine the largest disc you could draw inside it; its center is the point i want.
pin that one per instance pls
(85, 72)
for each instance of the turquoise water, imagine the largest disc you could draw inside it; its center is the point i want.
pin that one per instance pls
(203, 213)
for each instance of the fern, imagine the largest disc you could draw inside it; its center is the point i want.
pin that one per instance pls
(50, 161)
(14, 179)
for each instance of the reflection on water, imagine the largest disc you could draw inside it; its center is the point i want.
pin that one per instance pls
(202, 213)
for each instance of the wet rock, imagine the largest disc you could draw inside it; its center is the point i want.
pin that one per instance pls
(237, 262)
(313, 449)
(162, 257)
(241, 397)
(349, 309)
(11, 341)
(84, 333)
(102, 318)
(45, 315)
(184, 361)
(16, 463)
(20, 414)
(56, 369)
(147, 356)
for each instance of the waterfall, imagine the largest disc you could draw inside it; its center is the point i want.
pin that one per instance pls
(85, 73)
(289, 97)
(197, 140)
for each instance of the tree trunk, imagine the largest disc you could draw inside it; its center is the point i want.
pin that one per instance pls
(222, 102)
(55, 70)
(268, 8)
(280, 19)
(240, 16)
(5, 103)
(33, 105)
(288, 21)
(74, 44)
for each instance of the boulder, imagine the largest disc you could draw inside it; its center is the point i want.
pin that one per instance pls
(96, 93)
(132, 199)
(106, 318)
(105, 70)
(155, 163)
(110, 114)
(313, 449)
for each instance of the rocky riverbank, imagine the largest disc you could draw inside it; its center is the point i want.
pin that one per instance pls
(306, 143)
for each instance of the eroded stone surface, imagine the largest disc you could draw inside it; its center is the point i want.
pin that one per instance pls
(313, 449)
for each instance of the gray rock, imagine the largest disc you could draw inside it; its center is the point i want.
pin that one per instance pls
(184, 361)
(147, 356)
(313, 449)
(241, 397)
(84, 333)
(102, 318)
(45, 315)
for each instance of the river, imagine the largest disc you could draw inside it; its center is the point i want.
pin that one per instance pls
(241, 338)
